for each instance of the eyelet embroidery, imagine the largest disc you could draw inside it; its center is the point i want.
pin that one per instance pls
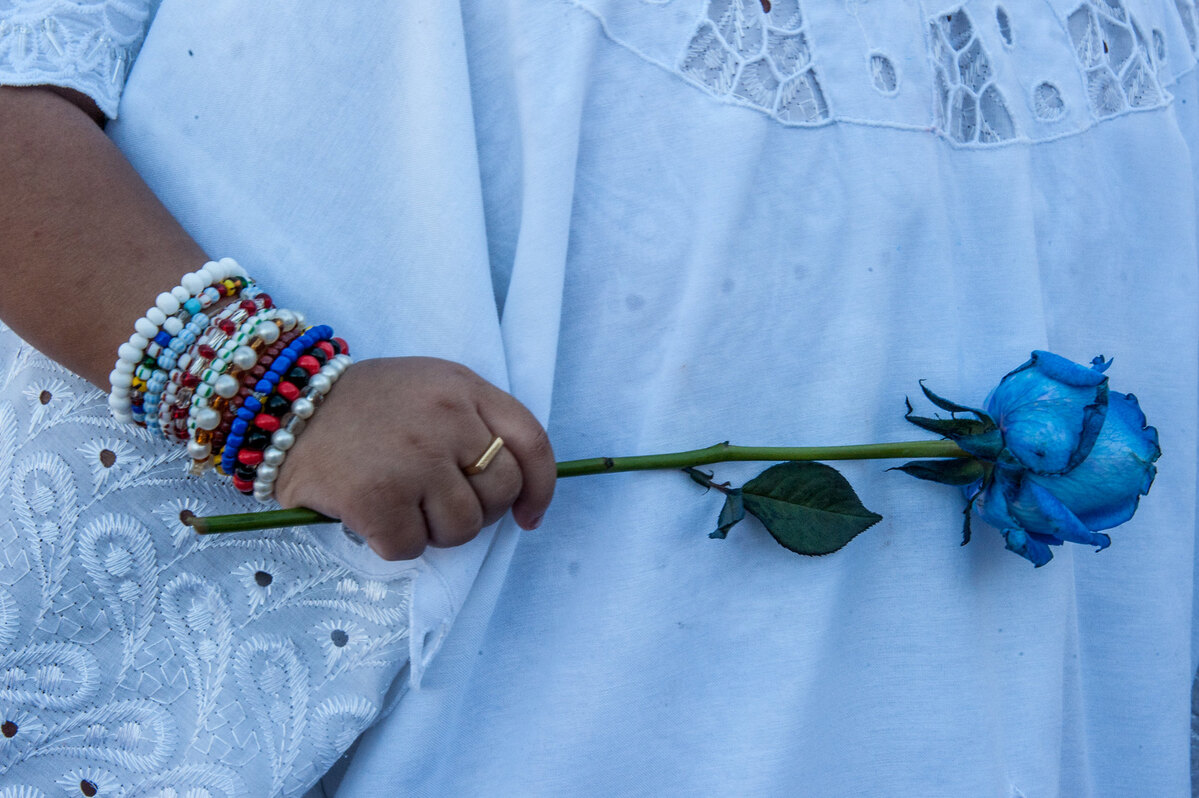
(969, 105)
(1115, 58)
(759, 54)
(139, 659)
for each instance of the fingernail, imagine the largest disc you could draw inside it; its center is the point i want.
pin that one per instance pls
(536, 522)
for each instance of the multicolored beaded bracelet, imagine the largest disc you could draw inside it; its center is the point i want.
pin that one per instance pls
(303, 408)
(146, 328)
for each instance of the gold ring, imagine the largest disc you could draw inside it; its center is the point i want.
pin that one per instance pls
(485, 459)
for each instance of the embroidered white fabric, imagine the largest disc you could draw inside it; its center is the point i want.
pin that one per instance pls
(87, 45)
(739, 89)
(139, 659)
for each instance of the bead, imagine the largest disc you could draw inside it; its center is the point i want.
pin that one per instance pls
(123, 366)
(283, 440)
(244, 358)
(267, 473)
(308, 363)
(252, 404)
(303, 408)
(180, 294)
(145, 328)
(193, 306)
(273, 455)
(277, 405)
(127, 351)
(167, 303)
(295, 425)
(243, 484)
(226, 386)
(266, 300)
(189, 380)
(267, 422)
(298, 376)
(289, 391)
(173, 326)
(120, 379)
(264, 495)
(341, 345)
(327, 348)
(199, 451)
(321, 383)
(244, 471)
(249, 456)
(268, 333)
(205, 351)
(118, 402)
(208, 418)
(288, 319)
(193, 283)
(257, 438)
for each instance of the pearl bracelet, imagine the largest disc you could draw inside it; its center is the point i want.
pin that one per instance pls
(302, 408)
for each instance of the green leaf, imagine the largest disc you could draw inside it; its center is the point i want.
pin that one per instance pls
(954, 407)
(952, 428)
(732, 512)
(957, 471)
(809, 508)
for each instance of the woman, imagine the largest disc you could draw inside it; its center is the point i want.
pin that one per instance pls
(659, 225)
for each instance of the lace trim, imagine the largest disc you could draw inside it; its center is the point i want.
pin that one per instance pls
(969, 105)
(1115, 56)
(87, 45)
(139, 659)
(757, 51)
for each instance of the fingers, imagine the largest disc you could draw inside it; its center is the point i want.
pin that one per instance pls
(497, 486)
(527, 442)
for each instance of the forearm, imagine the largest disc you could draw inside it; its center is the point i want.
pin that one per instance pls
(85, 246)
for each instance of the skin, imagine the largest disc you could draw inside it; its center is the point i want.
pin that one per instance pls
(85, 246)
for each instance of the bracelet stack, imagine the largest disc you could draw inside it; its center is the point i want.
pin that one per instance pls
(235, 387)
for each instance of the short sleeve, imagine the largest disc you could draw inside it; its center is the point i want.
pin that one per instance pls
(86, 45)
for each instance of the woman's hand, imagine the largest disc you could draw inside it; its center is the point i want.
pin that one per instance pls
(387, 450)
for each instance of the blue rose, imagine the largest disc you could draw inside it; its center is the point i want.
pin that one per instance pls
(1071, 457)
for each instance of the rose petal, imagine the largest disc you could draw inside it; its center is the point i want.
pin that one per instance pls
(1050, 411)
(1039, 512)
(1104, 490)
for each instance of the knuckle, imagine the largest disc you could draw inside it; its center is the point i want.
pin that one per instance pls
(463, 523)
(392, 547)
(509, 484)
(540, 448)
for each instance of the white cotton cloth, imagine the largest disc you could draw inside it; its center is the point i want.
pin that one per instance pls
(663, 224)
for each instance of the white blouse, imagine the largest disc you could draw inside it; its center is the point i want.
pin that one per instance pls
(660, 224)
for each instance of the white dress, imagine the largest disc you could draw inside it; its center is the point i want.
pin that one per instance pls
(661, 224)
